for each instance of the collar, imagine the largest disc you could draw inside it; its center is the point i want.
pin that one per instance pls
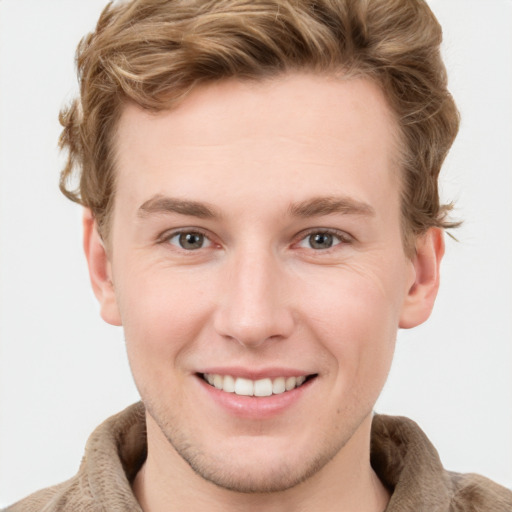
(401, 455)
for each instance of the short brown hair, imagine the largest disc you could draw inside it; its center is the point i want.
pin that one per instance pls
(153, 52)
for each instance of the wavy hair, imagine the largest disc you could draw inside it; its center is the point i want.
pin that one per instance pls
(154, 52)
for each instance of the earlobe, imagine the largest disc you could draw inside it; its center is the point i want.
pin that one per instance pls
(422, 293)
(100, 271)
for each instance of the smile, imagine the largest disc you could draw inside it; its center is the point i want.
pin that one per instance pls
(248, 387)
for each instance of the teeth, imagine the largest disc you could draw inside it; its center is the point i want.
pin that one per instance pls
(229, 384)
(278, 386)
(218, 381)
(290, 383)
(263, 387)
(300, 380)
(244, 387)
(247, 387)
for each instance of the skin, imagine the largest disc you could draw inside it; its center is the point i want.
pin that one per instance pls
(267, 166)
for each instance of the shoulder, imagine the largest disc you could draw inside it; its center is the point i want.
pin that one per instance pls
(409, 465)
(113, 455)
(475, 493)
(57, 497)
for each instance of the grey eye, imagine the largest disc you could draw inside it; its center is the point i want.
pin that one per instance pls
(190, 240)
(321, 240)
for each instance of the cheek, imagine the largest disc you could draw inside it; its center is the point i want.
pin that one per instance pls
(356, 318)
(361, 343)
(163, 312)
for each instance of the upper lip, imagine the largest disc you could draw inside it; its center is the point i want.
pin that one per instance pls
(256, 374)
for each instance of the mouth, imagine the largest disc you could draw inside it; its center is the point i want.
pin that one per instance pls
(258, 388)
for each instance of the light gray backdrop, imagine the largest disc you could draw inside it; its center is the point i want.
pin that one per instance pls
(62, 371)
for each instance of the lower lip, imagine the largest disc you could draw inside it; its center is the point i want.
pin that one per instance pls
(252, 407)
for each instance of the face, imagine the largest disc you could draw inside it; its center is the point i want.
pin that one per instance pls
(256, 250)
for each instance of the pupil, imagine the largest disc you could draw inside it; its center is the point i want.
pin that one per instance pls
(321, 241)
(191, 240)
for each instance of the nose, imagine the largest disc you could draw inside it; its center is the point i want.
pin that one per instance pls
(255, 306)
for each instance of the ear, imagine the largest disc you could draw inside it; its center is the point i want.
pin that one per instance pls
(100, 270)
(422, 293)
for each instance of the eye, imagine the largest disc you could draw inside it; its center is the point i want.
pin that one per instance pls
(189, 240)
(322, 240)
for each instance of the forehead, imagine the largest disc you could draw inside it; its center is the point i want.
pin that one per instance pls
(285, 132)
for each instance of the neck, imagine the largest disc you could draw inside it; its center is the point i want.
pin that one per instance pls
(346, 484)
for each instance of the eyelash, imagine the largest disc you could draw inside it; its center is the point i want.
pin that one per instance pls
(342, 237)
(168, 236)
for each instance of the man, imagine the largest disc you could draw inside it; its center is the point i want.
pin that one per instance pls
(260, 184)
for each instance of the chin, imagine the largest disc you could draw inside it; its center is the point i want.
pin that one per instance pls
(252, 475)
(253, 464)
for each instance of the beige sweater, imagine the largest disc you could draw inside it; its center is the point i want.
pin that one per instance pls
(401, 454)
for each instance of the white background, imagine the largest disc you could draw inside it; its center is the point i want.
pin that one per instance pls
(62, 371)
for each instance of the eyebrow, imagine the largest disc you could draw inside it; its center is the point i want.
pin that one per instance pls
(318, 206)
(314, 207)
(164, 204)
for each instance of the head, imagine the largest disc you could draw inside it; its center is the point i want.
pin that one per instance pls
(261, 188)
